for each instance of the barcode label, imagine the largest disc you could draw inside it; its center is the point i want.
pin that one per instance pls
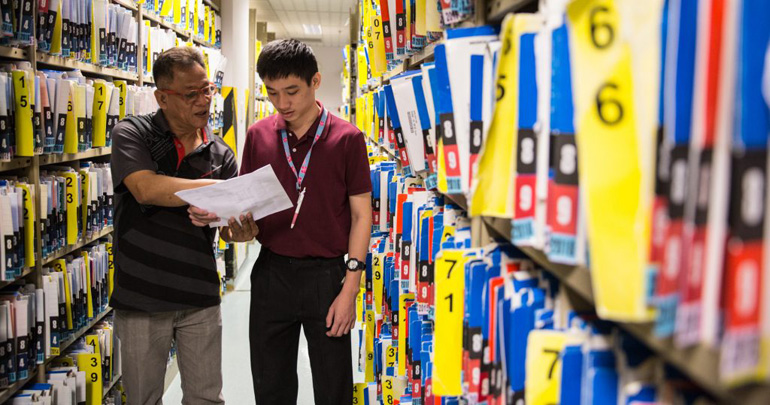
(562, 249)
(666, 321)
(688, 324)
(740, 354)
(431, 182)
(454, 185)
(523, 230)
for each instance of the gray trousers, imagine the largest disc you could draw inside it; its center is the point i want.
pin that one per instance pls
(146, 339)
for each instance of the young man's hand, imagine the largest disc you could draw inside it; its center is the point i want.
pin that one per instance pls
(201, 217)
(342, 314)
(244, 231)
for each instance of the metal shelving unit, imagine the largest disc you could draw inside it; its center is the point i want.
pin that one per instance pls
(700, 364)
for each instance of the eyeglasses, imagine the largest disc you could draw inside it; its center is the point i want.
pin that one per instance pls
(192, 95)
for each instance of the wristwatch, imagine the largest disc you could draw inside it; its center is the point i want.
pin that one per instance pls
(355, 265)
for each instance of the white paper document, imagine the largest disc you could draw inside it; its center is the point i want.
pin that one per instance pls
(258, 192)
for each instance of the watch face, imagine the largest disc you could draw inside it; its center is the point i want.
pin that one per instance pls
(352, 264)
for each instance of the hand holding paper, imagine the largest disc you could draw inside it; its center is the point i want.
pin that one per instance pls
(259, 193)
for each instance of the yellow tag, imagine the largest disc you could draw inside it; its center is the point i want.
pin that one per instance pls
(29, 225)
(614, 158)
(369, 369)
(408, 29)
(432, 18)
(167, 8)
(388, 385)
(85, 184)
(111, 269)
(360, 106)
(543, 376)
(61, 266)
(391, 353)
(71, 127)
(358, 393)
(148, 62)
(56, 38)
(93, 341)
(378, 282)
(64, 361)
(377, 51)
(122, 86)
(101, 105)
(177, 11)
(450, 287)
(213, 27)
(402, 318)
(419, 27)
(71, 180)
(449, 231)
(92, 365)
(25, 138)
(87, 287)
(494, 194)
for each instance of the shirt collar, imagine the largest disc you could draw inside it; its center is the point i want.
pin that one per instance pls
(280, 123)
(159, 120)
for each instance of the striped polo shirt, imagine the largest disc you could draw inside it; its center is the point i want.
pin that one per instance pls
(162, 261)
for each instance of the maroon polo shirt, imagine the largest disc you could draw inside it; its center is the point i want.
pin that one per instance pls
(338, 169)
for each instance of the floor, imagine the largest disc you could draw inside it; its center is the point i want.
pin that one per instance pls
(236, 370)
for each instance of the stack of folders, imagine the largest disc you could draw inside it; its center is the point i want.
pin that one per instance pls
(639, 156)
(189, 15)
(75, 205)
(17, 22)
(157, 40)
(392, 30)
(62, 112)
(17, 216)
(79, 286)
(446, 323)
(92, 31)
(81, 374)
(21, 332)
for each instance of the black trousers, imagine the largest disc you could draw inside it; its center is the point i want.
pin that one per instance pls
(287, 293)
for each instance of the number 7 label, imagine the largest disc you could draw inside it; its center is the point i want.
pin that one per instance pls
(544, 350)
(450, 287)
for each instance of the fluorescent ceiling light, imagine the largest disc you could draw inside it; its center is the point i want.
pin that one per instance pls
(312, 29)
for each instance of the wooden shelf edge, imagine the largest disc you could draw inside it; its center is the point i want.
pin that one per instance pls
(212, 5)
(71, 248)
(16, 163)
(497, 9)
(129, 4)
(111, 385)
(11, 52)
(55, 158)
(27, 271)
(66, 63)
(699, 363)
(9, 392)
(79, 333)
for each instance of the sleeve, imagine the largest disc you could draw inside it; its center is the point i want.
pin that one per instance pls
(248, 155)
(129, 154)
(357, 174)
(230, 165)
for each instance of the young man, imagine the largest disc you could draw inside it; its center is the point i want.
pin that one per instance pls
(301, 277)
(166, 282)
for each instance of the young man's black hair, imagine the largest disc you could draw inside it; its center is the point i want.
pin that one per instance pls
(281, 58)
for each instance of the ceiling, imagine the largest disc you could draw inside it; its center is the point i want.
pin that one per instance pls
(285, 18)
